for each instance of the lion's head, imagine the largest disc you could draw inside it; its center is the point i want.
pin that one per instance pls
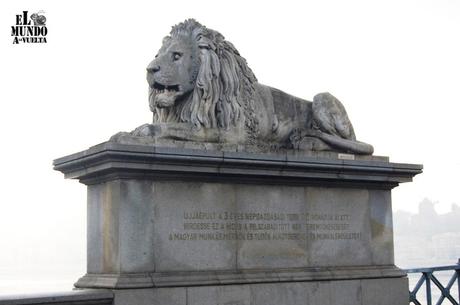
(198, 77)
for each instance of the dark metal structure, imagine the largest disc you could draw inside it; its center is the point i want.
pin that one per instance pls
(427, 277)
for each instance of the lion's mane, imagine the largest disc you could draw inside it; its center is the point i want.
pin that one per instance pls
(224, 86)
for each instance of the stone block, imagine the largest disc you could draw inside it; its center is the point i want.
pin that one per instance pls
(228, 294)
(183, 226)
(346, 292)
(385, 291)
(390, 291)
(186, 223)
(163, 296)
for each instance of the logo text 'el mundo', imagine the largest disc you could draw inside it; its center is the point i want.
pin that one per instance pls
(29, 29)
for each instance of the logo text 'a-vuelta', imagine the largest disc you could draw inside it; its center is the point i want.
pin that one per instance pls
(29, 29)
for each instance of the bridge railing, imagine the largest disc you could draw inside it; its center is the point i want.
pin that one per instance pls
(429, 277)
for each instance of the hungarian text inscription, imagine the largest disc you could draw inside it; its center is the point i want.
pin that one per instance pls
(215, 226)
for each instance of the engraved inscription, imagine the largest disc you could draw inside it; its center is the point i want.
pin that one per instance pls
(212, 226)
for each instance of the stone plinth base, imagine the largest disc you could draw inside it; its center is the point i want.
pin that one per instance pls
(187, 278)
(350, 292)
(246, 228)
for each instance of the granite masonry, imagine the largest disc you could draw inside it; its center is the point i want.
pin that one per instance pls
(185, 226)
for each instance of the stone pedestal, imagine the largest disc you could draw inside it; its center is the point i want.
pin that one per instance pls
(245, 228)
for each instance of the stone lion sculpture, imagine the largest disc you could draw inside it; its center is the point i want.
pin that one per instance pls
(202, 90)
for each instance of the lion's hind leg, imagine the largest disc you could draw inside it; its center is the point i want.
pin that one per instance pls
(333, 126)
(330, 116)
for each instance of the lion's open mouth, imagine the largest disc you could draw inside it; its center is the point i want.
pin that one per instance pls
(165, 95)
(160, 88)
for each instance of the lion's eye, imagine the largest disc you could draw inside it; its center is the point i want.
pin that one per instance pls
(156, 56)
(177, 56)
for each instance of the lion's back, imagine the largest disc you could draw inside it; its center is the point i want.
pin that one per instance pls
(291, 108)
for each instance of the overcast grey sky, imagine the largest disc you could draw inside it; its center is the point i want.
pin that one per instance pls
(395, 65)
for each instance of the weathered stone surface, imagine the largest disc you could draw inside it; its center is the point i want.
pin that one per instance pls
(184, 226)
(385, 291)
(164, 296)
(171, 217)
(229, 294)
(270, 248)
(120, 227)
(346, 292)
(291, 293)
(202, 91)
(147, 226)
(391, 291)
(108, 161)
(173, 200)
(381, 227)
(351, 207)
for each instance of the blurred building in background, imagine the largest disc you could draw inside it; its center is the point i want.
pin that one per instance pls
(427, 238)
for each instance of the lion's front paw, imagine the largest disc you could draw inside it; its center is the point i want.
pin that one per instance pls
(143, 135)
(118, 136)
(146, 130)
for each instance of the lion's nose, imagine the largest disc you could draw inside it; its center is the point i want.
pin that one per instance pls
(153, 69)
